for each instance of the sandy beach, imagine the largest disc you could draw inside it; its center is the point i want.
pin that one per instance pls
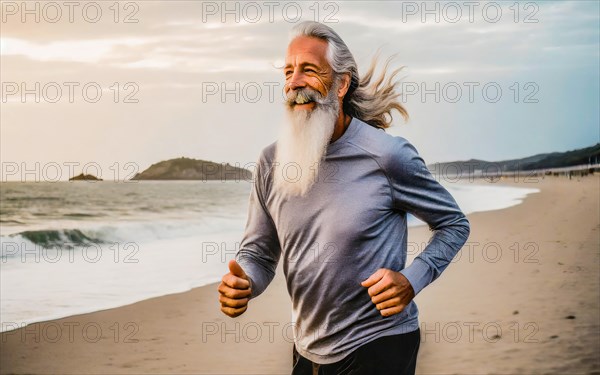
(522, 297)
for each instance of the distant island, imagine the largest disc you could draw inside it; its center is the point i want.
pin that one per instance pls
(192, 169)
(579, 157)
(85, 177)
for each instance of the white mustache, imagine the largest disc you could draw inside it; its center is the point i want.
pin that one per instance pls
(303, 96)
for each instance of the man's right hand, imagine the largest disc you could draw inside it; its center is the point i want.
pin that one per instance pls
(234, 290)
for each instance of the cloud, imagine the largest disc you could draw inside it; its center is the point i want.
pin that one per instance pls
(87, 51)
(171, 53)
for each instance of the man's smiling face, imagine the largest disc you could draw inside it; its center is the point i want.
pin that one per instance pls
(306, 67)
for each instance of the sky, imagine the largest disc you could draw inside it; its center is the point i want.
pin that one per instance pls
(110, 88)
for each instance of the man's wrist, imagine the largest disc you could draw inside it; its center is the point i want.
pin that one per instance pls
(250, 287)
(418, 274)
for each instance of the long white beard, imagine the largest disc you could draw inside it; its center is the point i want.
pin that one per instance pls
(302, 144)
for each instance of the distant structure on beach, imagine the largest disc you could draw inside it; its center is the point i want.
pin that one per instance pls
(193, 169)
(579, 162)
(85, 177)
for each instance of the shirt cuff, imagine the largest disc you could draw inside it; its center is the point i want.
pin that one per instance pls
(256, 283)
(419, 274)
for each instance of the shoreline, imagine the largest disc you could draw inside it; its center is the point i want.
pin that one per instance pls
(476, 196)
(140, 337)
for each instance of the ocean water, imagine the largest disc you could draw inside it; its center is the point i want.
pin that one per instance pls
(75, 247)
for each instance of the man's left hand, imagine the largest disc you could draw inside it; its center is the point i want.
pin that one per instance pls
(390, 291)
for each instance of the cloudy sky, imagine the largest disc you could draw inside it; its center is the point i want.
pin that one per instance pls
(94, 83)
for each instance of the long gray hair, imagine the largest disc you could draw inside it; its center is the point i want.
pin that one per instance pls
(371, 99)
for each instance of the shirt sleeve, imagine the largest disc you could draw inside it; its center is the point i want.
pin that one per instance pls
(259, 250)
(416, 191)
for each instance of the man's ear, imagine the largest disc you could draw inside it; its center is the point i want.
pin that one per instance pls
(344, 85)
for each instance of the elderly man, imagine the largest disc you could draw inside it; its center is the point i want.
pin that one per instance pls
(331, 198)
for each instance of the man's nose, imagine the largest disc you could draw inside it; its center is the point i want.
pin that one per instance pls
(296, 81)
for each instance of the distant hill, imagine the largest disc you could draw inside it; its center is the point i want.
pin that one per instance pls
(539, 161)
(85, 177)
(192, 169)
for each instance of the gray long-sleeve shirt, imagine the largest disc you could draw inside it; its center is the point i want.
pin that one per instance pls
(349, 224)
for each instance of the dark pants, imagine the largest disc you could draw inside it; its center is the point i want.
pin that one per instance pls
(387, 355)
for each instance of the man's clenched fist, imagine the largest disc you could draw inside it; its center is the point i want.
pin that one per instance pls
(234, 290)
(390, 291)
